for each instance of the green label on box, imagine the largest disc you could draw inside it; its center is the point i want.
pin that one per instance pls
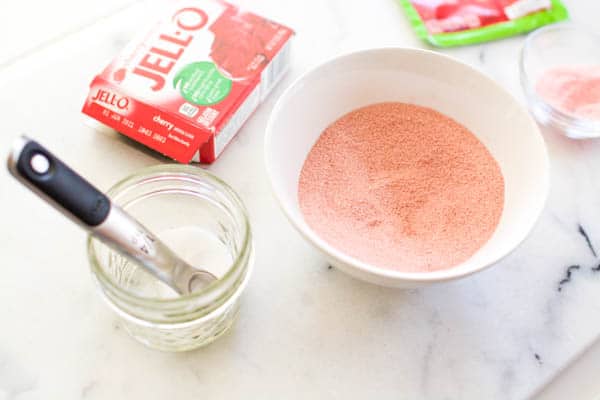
(201, 83)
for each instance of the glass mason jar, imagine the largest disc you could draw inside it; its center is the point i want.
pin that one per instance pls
(204, 221)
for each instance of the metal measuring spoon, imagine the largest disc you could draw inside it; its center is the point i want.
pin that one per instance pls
(59, 185)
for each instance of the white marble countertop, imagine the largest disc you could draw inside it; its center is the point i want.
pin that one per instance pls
(305, 331)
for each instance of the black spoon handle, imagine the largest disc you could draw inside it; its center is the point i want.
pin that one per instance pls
(75, 197)
(47, 175)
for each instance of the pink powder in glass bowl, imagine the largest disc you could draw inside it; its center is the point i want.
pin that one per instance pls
(560, 75)
(401, 187)
(573, 89)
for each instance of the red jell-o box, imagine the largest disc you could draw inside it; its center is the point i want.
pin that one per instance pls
(187, 86)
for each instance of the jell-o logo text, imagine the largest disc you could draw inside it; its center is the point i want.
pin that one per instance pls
(162, 56)
(111, 99)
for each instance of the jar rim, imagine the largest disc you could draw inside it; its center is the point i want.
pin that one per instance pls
(142, 176)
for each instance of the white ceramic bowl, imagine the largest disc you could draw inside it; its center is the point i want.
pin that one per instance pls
(428, 79)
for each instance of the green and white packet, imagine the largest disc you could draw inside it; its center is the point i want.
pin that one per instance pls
(464, 22)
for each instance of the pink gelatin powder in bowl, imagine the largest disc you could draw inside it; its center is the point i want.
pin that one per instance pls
(484, 156)
(560, 74)
(573, 89)
(402, 187)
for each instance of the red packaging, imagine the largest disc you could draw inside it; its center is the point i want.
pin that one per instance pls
(186, 87)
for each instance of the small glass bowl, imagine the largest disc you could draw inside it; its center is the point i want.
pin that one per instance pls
(204, 222)
(555, 46)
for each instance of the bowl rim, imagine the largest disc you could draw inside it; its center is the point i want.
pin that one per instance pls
(558, 116)
(374, 271)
